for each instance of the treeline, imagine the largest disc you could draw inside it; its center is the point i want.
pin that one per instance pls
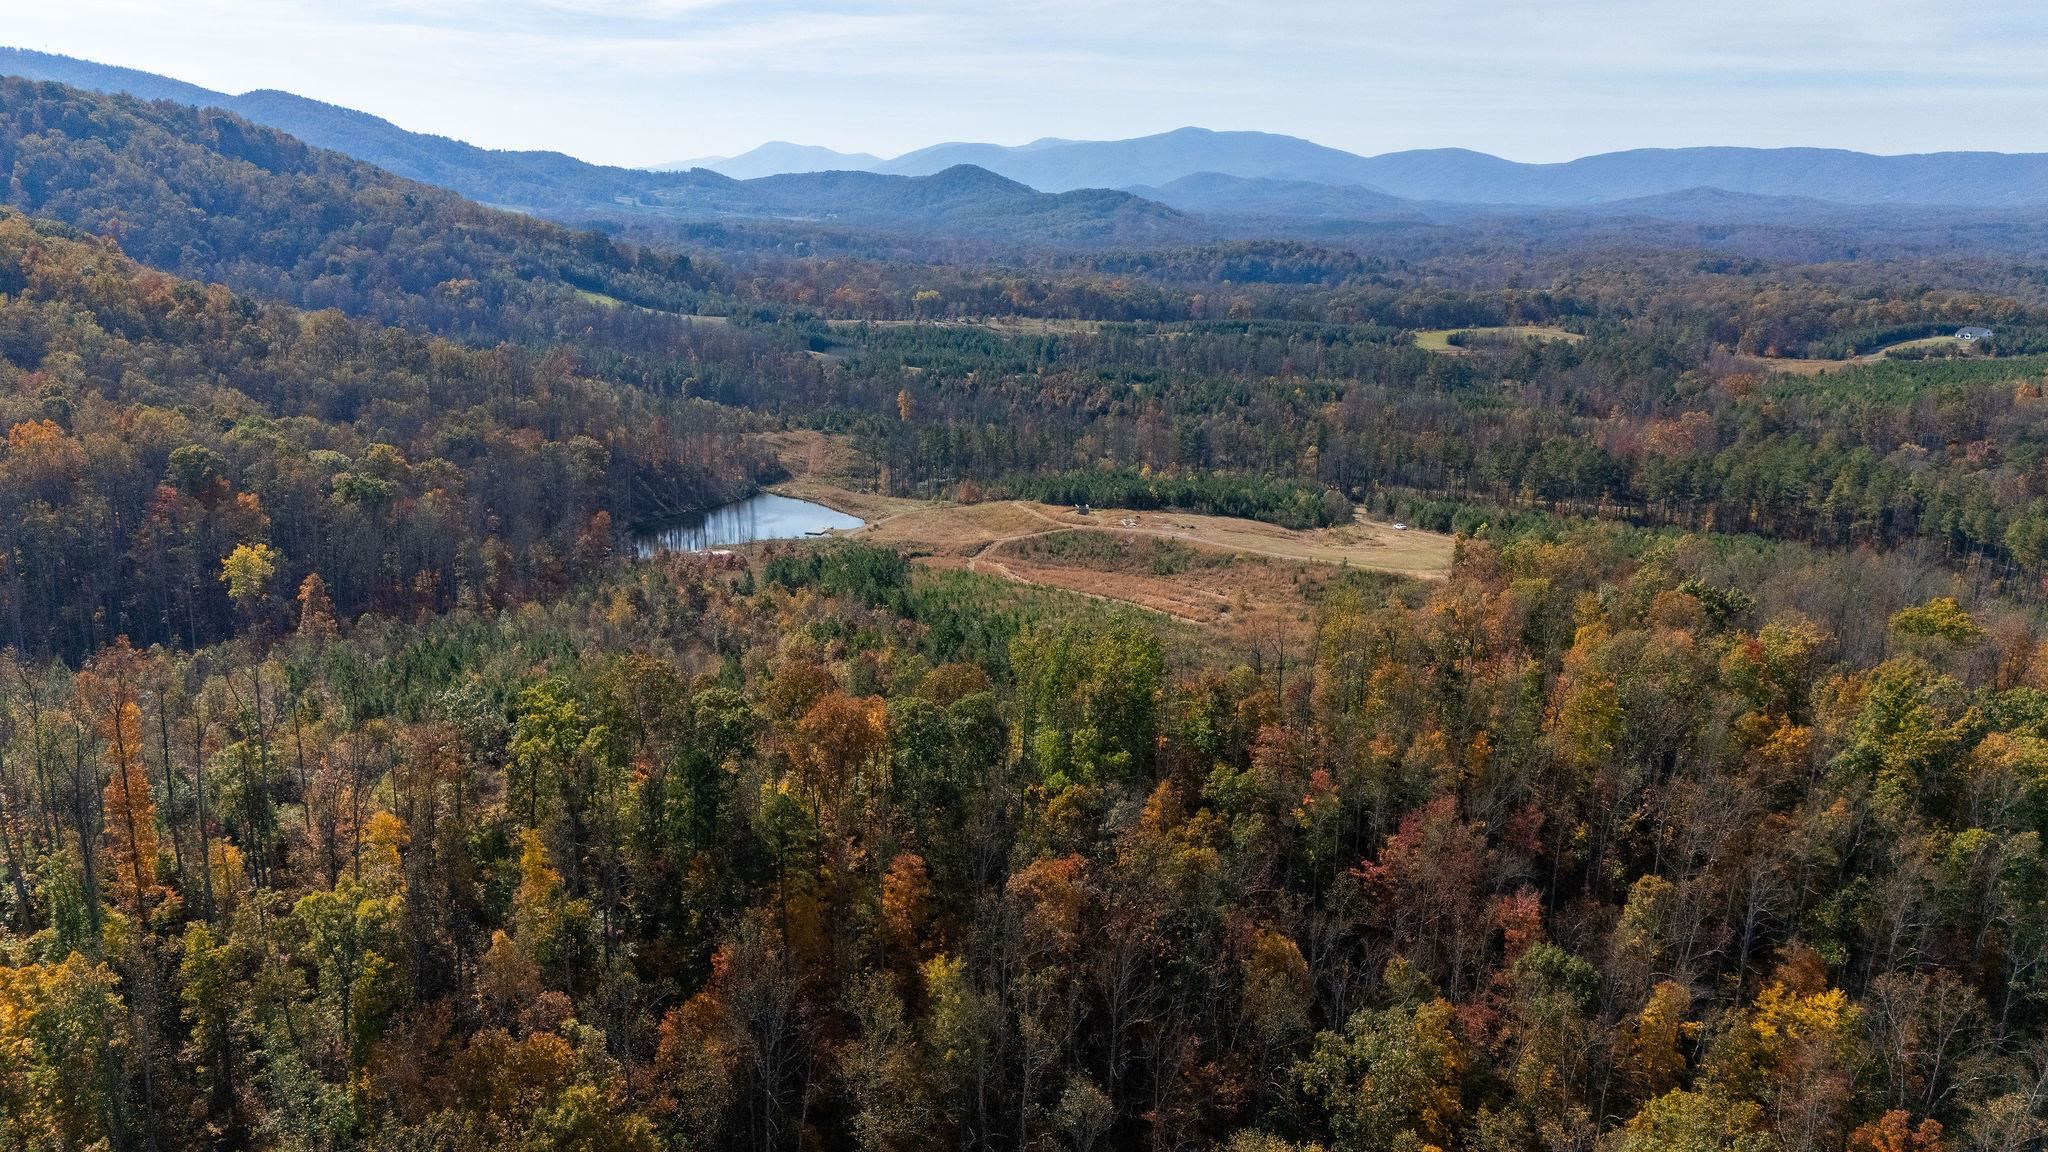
(157, 429)
(1641, 420)
(1582, 848)
(1290, 504)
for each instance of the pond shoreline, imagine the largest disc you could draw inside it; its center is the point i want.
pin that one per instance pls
(765, 515)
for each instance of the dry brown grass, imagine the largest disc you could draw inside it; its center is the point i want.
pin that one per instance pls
(1250, 580)
(1240, 600)
(815, 455)
(950, 528)
(1254, 583)
(956, 529)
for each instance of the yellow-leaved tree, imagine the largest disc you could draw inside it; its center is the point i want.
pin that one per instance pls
(247, 571)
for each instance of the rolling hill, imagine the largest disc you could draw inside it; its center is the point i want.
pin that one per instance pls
(963, 198)
(559, 186)
(207, 195)
(528, 181)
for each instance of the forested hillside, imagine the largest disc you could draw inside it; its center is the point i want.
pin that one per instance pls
(208, 195)
(205, 195)
(363, 786)
(157, 428)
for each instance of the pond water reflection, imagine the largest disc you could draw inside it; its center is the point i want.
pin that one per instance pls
(763, 516)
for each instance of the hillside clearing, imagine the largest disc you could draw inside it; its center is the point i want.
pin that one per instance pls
(1439, 339)
(1252, 582)
(1361, 544)
(1802, 366)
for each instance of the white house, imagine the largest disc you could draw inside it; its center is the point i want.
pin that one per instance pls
(1971, 335)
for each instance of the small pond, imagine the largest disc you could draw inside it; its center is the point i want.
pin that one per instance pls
(762, 516)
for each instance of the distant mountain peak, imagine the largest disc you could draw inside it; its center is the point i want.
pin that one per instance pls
(777, 157)
(975, 176)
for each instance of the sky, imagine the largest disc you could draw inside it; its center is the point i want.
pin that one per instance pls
(649, 81)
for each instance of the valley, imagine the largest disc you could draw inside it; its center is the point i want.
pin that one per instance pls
(1201, 642)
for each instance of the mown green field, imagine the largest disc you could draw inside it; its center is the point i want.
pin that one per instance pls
(1439, 339)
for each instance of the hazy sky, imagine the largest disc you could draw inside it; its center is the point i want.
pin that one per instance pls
(643, 81)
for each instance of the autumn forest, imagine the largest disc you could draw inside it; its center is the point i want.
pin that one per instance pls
(365, 784)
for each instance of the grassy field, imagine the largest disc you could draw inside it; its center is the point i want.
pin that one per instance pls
(1881, 381)
(613, 303)
(1798, 366)
(1361, 544)
(1923, 342)
(1439, 339)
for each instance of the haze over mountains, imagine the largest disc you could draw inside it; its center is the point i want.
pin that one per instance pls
(778, 158)
(970, 202)
(1460, 176)
(1189, 185)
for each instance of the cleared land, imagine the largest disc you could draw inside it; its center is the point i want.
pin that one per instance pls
(1362, 544)
(1800, 366)
(1254, 582)
(1248, 598)
(1439, 339)
(614, 303)
(815, 457)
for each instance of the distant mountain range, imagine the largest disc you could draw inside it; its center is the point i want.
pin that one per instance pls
(1456, 175)
(1963, 179)
(959, 201)
(1187, 186)
(1053, 165)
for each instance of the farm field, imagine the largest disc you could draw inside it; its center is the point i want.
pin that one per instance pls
(1439, 339)
(1800, 366)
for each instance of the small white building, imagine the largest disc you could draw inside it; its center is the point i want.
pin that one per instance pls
(1973, 334)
